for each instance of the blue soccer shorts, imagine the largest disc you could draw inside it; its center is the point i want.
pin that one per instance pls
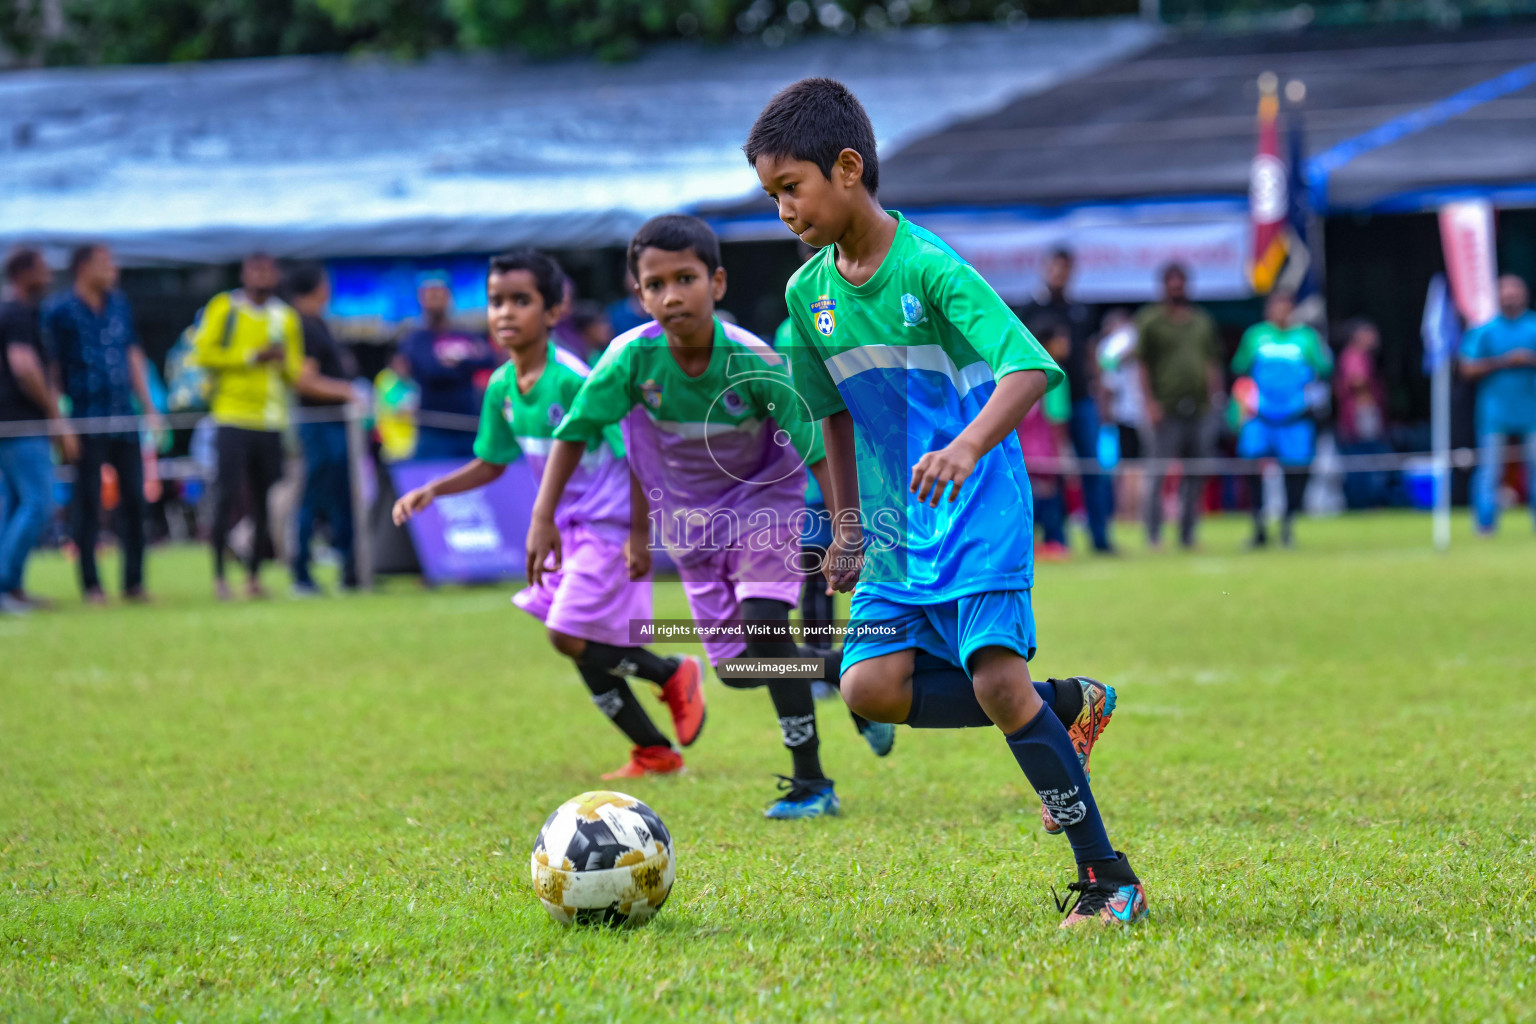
(952, 630)
(1292, 443)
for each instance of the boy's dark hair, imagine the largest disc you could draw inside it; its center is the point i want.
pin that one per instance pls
(815, 119)
(303, 278)
(1061, 252)
(20, 261)
(548, 278)
(675, 232)
(81, 255)
(1173, 269)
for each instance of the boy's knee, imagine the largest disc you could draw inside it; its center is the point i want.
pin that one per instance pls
(570, 646)
(876, 694)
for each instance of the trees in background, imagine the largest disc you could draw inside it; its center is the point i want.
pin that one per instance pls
(154, 31)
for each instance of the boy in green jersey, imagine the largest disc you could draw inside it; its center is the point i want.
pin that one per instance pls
(586, 607)
(720, 443)
(921, 375)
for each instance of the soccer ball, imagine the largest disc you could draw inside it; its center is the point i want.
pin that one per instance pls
(603, 858)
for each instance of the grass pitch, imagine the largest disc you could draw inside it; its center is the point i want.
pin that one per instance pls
(1322, 767)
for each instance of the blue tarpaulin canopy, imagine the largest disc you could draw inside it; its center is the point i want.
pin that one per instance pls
(329, 156)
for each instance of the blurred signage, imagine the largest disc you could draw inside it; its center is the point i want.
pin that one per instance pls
(1119, 252)
(475, 537)
(1466, 235)
(372, 298)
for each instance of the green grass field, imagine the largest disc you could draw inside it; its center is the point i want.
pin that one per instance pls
(1322, 768)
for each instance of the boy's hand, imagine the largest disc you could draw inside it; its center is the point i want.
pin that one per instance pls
(543, 545)
(844, 561)
(414, 503)
(274, 353)
(637, 557)
(949, 466)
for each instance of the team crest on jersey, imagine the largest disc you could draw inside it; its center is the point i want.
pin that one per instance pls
(556, 414)
(733, 402)
(506, 410)
(912, 310)
(824, 310)
(650, 394)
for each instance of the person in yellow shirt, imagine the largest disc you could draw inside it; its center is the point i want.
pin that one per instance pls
(252, 346)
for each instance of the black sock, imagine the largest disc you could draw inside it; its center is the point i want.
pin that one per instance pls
(628, 661)
(792, 700)
(944, 698)
(615, 699)
(796, 708)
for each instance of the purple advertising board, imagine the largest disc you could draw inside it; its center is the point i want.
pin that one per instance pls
(475, 537)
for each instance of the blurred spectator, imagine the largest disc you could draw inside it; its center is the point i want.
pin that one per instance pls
(1181, 374)
(90, 328)
(27, 402)
(1043, 437)
(450, 367)
(1501, 356)
(1362, 424)
(1078, 322)
(1125, 406)
(251, 344)
(590, 321)
(324, 386)
(1282, 359)
(626, 314)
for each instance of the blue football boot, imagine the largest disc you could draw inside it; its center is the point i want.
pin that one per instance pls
(804, 798)
(881, 737)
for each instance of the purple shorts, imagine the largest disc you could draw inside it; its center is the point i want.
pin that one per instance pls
(591, 596)
(717, 584)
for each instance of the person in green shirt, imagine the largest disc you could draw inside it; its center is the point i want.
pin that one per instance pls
(588, 603)
(1283, 359)
(1180, 357)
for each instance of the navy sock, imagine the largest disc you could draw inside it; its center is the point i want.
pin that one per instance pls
(943, 697)
(1045, 752)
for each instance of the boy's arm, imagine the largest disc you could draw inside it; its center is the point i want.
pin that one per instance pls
(952, 464)
(473, 474)
(840, 488)
(1242, 362)
(637, 549)
(543, 535)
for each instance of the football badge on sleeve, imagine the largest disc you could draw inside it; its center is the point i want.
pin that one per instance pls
(824, 312)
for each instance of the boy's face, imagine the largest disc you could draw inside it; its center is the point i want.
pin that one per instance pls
(678, 291)
(515, 311)
(815, 207)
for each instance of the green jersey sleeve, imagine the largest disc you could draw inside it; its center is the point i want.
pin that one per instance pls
(971, 306)
(777, 396)
(1318, 355)
(1057, 404)
(1242, 362)
(807, 369)
(494, 441)
(605, 398)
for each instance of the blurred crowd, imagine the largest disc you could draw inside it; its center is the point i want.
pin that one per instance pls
(276, 398)
(269, 395)
(1158, 383)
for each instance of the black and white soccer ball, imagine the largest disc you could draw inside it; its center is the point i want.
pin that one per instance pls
(603, 858)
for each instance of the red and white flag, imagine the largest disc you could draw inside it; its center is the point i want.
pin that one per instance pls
(1466, 235)
(1268, 202)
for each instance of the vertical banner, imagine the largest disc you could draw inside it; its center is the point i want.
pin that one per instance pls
(1466, 235)
(1268, 202)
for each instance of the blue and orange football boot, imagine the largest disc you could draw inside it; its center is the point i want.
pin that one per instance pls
(1108, 892)
(804, 798)
(1085, 730)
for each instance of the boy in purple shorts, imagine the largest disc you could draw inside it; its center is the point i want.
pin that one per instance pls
(719, 441)
(605, 580)
(921, 374)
